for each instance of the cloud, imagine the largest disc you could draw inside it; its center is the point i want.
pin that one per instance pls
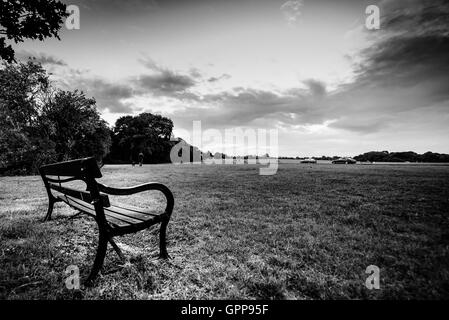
(412, 48)
(363, 124)
(404, 71)
(109, 96)
(291, 10)
(251, 107)
(419, 17)
(163, 81)
(195, 73)
(42, 58)
(402, 77)
(224, 76)
(317, 88)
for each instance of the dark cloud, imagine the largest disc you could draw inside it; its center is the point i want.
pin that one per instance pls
(364, 124)
(317, 88)
(224, 76)
(413, 46)
(163, 81)
(108, 95)
(406, 61)
(404, 70)
(42, 58)
(417, 17)
(151, 64)
(247, 107)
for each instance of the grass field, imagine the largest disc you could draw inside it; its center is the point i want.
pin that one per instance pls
(308, 232)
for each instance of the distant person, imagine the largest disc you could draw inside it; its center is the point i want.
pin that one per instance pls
(140, 159)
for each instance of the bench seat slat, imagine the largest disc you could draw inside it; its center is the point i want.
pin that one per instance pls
(133, 215)
(78, 205)
(122, 217)
(145, 215)
(82, 195)
(117, 217)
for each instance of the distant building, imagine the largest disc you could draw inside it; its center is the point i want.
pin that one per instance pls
(308, 160)
(344, 161)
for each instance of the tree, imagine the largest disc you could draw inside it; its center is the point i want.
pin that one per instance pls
(22, 90)
(22, 87)
(73, 123)
(40, 124)
(25, 19)
(146, 133)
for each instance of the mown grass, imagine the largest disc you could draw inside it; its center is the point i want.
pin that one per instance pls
(308, 232)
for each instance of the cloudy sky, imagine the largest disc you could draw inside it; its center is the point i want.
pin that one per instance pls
(311, 69)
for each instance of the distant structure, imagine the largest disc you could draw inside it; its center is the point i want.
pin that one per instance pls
(344, 161)
(308, 160)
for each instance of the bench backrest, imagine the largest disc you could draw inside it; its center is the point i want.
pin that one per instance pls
(87, 170)
(78, 169)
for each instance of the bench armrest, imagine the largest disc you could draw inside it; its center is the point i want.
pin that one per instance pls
(140, 188)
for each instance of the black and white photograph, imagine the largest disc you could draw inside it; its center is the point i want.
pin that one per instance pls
(224, 150)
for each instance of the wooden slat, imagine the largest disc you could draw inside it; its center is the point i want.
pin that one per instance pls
(61, 180)
(78, 205)
(138, 216)
(117, 217)
(89, 209)
(121, 217)
(134, 209)
(132, 213)
(72, 168)
(117, 223)
(82, 195)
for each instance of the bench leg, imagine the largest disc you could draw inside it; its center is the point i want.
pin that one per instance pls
(51, 203)
(99, 259)
(163, 254)
(117, 249)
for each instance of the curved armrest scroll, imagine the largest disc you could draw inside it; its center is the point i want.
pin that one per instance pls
(140, 188)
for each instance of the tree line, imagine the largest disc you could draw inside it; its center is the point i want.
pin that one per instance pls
(407, 156)
(43, 124)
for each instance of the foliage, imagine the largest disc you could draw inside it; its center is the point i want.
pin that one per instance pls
(72, 121)
(22, 89)
(24, 19)
(41, 124)
(408, 156)
(145, 133)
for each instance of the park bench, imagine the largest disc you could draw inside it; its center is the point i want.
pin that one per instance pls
(112, 220)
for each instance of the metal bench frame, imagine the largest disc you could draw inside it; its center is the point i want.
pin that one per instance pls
(87, 170)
